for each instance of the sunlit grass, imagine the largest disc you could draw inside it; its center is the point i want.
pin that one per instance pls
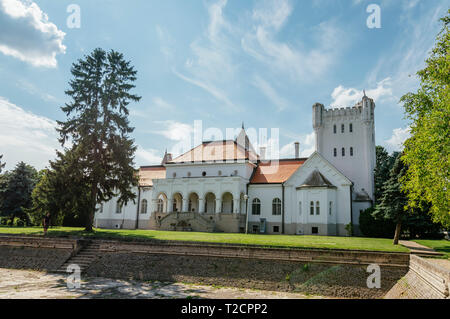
(329, 242)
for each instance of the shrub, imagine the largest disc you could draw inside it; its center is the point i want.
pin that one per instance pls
(372, 227)
(349, 229)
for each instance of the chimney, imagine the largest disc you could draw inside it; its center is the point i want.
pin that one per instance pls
(297, 150)
(262, 153)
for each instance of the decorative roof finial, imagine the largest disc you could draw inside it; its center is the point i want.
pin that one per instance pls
(364, 93)
(243, 125)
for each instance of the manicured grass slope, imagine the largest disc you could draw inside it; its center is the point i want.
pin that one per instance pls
(442, 246)
(357, 243)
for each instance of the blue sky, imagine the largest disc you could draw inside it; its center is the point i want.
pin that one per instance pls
(264, 63)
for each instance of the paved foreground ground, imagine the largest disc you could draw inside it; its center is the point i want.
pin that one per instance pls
(27, 284)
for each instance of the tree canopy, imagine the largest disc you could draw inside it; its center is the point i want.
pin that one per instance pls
(427, 151)
(16, 191)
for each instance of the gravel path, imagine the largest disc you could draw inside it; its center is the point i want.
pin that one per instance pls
(26, 284)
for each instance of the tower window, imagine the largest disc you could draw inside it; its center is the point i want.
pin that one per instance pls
(317, 208)
(335, 152)
(351, 128)
(311, 209)
(334, 129)
(342, 128)
(351, 151)
(330, 207)
(343, 151)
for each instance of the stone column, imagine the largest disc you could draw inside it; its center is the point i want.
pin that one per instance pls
(201, 205)
(185, 206)
(218, 205)
(236, 204)
(170, 205)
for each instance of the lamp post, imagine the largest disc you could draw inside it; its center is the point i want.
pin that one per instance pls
(246, 213)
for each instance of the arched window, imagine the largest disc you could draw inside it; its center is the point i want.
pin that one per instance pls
(118, 208)
(144, 206)
(330, 207)
(256, 207)
(342, 128)
(299, 208)
(311, 208)
(335, 152)
(343, 151)
(351, 128)
(160, 205)
(276, 206)
(174, 175)
(317, 208)
(189, 174)
(220, 173)
(351, 151)
(100, 210)
(334, 128)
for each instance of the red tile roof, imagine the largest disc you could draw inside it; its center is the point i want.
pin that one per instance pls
(146, 174)
(275, 172)
(216, 151)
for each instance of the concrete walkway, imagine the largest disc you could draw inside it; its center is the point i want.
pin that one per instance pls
(418, 249)
(15, 284)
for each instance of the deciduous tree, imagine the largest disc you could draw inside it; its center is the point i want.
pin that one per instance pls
(427, 151)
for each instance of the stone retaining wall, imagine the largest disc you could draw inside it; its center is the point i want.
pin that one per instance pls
(46, 254)
(424, 280)
(351, 257)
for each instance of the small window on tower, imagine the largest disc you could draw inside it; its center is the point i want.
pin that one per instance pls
(335, 152)
(342, 128)
(334, 129)
(351, 128)
(351, 151)
(343, 151)
(311, 209)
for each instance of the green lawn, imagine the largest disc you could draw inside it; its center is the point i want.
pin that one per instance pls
(442, 246)
(357, 243)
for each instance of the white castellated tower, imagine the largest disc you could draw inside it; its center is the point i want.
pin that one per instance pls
(346, 138)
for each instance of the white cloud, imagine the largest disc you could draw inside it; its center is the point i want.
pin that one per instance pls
(27, 33)
(300, 64)
(175, 131)
(399, 136)
(346, 97)
(25, 136)
(307, 146)
(280, 102)
(147, 156)
(211, 89)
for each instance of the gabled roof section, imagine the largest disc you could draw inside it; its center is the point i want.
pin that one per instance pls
(276, 172)
(317, 155)
(148, 173)
(217, 151)
(316, 179)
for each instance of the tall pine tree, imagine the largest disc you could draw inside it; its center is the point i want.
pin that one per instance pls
(98, 128)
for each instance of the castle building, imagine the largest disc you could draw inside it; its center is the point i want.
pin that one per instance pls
(226, 186)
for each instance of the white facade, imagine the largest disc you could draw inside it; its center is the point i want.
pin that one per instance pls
(318, 195)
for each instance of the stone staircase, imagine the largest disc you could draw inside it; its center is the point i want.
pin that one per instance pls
(185, 221)
(83, 258)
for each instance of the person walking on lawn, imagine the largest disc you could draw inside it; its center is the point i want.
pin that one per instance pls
(46, 223)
